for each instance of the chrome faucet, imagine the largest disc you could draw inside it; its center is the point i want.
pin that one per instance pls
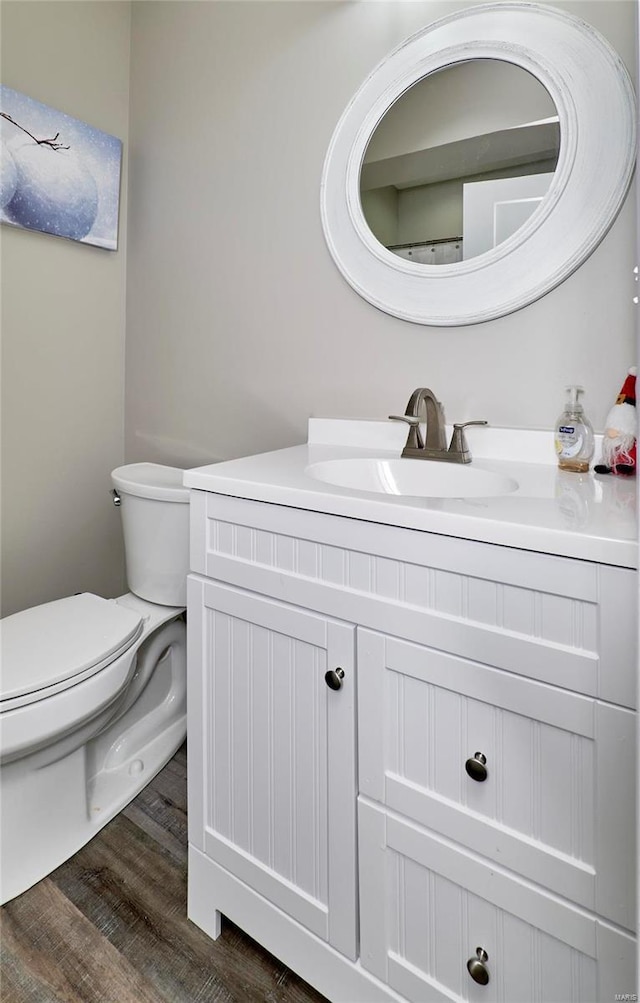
(434, 445)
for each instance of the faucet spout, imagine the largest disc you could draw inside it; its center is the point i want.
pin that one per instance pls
(435, 434)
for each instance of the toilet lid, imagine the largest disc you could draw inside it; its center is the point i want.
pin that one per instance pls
(51, 645)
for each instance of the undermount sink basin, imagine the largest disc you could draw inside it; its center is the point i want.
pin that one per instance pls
(416, 478)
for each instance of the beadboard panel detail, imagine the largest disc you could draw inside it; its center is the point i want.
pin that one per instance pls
(430, 904)
(558, 801)
(527, 613)
(214, 890)
(277, 747)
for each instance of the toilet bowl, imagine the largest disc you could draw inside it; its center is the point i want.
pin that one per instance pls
(93, 690)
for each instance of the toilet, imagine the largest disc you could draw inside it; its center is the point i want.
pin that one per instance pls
(93, 690)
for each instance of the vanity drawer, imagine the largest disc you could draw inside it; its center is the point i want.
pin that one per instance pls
(538, 779)
(427, 906)
(562, 621)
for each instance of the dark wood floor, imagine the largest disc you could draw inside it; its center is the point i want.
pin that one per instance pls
(110, 925)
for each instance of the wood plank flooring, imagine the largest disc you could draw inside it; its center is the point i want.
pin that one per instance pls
(110, 925)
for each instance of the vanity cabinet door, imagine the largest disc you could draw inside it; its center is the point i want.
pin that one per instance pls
(439, 923)
(539, 779)
(272, 753)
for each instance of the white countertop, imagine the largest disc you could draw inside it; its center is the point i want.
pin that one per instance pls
(587, 516)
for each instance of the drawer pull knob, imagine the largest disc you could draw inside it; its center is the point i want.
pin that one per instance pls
(476, 767)
(477, 967)
(333, 678)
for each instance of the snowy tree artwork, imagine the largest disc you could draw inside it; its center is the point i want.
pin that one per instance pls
(57, 174)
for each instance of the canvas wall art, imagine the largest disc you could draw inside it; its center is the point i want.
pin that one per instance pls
(58, 174)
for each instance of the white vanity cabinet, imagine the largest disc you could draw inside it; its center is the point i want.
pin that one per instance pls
(493, 691)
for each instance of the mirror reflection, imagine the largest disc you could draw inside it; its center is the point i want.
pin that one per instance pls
(460, 161)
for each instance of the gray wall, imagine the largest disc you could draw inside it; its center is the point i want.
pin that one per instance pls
(63, 328)
(239, 326)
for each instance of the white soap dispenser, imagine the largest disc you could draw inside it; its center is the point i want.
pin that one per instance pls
(574, 434)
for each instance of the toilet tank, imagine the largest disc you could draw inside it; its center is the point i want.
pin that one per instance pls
(155, 522)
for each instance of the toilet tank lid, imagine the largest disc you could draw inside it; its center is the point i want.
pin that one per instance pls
(151, 480)
(54, 643)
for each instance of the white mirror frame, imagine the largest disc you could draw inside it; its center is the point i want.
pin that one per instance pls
(595, 100)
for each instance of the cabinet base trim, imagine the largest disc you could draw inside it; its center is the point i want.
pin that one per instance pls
(213, 890)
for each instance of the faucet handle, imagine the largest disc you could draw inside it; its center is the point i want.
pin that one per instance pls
(409, 418)
(463, 424)
(459, 439)
(415, 440)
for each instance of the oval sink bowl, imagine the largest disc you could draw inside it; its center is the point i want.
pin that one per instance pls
(414, 478)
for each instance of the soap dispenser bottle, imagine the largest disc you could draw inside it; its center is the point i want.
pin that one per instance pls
(574, 434)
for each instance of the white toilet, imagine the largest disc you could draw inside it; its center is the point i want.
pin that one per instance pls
(93, 691)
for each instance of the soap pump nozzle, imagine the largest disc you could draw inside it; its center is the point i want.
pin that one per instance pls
(574, 404)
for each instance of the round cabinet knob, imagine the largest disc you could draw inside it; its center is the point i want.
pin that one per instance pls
(476, 767)
(477, 967)
(333, 678)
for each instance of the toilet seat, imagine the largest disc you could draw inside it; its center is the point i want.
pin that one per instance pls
(52, 647)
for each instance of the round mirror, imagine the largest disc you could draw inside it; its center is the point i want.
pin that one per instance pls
(586, 101)
(460, 162)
